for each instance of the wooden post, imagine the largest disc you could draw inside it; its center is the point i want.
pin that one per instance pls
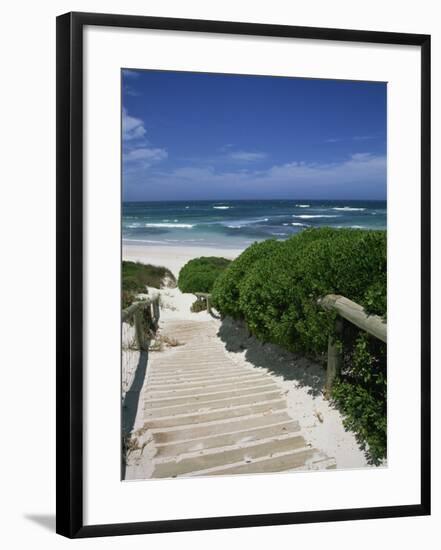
(156, 312)
(208, 303)
(335, 356)
(140, 330)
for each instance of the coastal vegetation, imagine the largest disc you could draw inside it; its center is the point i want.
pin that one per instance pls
(198, 305)
(136, 277)
(274, 287)
(200, 274)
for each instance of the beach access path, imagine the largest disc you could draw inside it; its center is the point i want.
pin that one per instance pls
(204, 410)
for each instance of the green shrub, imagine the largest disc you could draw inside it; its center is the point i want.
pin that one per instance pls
(136, 277)
(226, 290)
(198, 305)
(275, 286)
(277, 294)
(361, 392)
(200, 274)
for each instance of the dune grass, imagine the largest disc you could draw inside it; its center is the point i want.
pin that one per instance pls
(136, 277)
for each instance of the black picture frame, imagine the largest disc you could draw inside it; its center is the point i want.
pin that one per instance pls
(69, 333)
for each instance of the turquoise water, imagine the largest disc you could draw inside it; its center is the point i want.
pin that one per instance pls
(237, 224)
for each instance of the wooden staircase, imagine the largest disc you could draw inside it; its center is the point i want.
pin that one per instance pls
(203, 414)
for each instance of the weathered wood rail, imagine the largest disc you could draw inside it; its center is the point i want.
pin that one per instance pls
(355, 314)
(145, 316)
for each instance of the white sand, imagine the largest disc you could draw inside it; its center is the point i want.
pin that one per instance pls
(301, 379)
(173, 257)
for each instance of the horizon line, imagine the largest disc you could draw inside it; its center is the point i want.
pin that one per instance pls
(254, 199)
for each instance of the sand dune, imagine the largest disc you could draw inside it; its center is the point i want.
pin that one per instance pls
(173, 257)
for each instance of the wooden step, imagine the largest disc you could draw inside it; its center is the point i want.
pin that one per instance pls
(280, 463)
(206, 388)
(245, 455)
(218, 371)
(266, 407)
(209, 405)
(259, 420)
(221, 377)
(227, 439)
(210, 396)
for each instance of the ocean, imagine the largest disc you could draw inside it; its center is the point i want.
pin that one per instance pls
(239, 223)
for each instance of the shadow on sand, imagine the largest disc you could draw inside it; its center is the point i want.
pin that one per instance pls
(131, 400)
(278, 361)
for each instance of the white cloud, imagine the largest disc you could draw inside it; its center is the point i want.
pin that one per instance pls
(247, 156)
(362, 138)
(138, 155)
(132, 128)
(145, 154)
(353, 138)
(361, 175)
(226, 148)
(359, 168)
(361, 157)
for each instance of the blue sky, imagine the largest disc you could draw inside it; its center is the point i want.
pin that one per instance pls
(190, 136)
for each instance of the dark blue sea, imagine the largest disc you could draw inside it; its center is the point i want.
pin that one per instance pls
(237, 224)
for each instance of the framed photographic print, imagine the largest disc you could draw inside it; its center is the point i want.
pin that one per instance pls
(243, 274)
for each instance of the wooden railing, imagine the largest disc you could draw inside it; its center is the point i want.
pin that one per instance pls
(145, 316)
(346, 309)
(355, 314)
